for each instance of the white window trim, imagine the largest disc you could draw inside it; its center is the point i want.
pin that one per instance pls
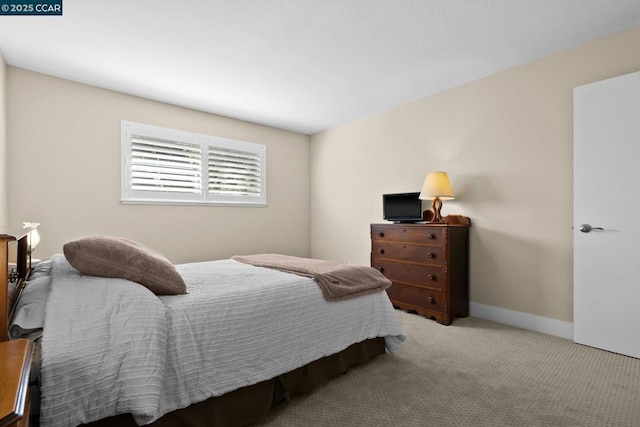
(129, 196)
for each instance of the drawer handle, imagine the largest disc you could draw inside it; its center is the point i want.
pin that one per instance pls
(381, 269)
(431, 277)
(380, 250)
(431, 236)
(431, 255)
(380, 234)
(431, 300)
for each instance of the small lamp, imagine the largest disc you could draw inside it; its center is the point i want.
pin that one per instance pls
(437, 187)
(34, 237)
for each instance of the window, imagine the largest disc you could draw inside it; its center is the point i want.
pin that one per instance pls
(167, 166)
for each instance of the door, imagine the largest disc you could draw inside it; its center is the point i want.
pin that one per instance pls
(607, 195)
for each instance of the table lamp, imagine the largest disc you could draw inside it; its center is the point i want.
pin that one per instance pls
(437, 187)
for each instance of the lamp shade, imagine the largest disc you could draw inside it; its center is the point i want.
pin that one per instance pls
(437, 184)
(34, 237)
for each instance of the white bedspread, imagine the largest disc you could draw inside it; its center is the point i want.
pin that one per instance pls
(110, 346)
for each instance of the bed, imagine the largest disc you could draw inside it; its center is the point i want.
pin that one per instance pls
(243, 337)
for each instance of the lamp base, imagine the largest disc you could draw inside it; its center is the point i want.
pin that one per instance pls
(435, 207)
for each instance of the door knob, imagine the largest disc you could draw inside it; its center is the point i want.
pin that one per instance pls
(586, 228)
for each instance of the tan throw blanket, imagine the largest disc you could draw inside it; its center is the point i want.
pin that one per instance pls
(337, 281)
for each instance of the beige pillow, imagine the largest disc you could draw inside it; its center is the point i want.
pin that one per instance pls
(108, 256)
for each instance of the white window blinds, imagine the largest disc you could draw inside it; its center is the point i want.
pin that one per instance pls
(234, 172)
(165, 166)
(170, 166)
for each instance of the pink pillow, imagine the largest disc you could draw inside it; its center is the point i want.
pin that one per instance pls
(107, 256)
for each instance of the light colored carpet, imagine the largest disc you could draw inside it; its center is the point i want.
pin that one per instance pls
(476, 373)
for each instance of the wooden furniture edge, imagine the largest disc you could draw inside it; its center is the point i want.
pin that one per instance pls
(14, 401)
(449, 221)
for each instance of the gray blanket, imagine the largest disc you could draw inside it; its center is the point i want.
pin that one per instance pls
(336, 280)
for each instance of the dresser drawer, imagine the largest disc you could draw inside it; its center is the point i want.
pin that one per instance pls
(415, 296)
(421, 275)
(421, 235)
(421, 254)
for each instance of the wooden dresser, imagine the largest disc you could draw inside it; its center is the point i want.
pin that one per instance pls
(15, 364)
(428, 265)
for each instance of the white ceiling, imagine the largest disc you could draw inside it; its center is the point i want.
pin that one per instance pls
(303, 65)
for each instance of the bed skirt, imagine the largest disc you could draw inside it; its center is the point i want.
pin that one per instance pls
(249, 405)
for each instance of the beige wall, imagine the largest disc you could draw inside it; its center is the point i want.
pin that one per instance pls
(64, 172)
(3, 146)
(506, 142)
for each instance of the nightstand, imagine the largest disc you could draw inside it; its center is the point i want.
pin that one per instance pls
(15, 365)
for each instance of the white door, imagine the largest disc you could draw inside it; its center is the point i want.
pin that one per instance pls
(607, 194)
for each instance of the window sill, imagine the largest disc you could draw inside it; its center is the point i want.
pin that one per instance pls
(192, 203)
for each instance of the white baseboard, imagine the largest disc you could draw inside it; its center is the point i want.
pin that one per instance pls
(546, 325)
